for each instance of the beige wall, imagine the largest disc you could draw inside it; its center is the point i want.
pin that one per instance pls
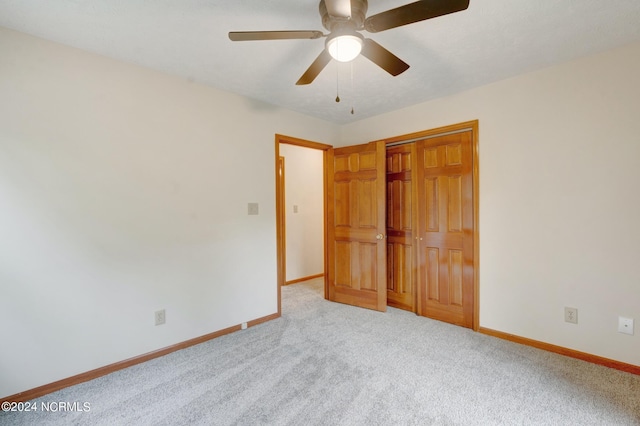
(124, 191)
(559, 197)
(304, 228)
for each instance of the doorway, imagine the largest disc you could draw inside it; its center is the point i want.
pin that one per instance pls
(299, 214)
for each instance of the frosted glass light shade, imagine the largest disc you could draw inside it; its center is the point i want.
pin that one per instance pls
(344, 48)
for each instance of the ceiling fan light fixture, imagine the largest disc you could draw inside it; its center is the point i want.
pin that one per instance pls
(344, 19)
(345, 47)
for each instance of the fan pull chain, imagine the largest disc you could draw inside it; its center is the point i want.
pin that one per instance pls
(337, 85)
(352, 91)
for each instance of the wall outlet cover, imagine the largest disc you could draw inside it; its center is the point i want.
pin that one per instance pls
(571, 315)
(160, 317)
(625, 325)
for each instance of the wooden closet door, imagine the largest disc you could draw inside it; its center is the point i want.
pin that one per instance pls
(446, 223)
(356, 250)
(401, 288)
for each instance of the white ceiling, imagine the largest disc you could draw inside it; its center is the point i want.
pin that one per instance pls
(490, 41)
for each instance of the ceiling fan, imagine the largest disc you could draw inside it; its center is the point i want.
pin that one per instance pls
(344, 19)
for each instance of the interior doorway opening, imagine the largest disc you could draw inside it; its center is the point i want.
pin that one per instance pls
(300, 211)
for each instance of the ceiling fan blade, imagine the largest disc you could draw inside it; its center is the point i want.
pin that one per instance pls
(383, 58)
(338, 8)
(413, 12)
(318, 65)
(273, 35)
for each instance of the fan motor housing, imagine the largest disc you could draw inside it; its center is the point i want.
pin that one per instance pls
(358, 14)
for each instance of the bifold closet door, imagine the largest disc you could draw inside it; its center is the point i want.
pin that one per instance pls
(445, 238)
(401, 246)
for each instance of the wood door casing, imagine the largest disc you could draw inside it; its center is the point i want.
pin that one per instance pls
(356, 266)
(401, 288)
(446, 223)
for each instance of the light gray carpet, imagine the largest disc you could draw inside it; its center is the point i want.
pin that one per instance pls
(324, 363)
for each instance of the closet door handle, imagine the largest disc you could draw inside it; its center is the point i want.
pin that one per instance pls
(379, 237)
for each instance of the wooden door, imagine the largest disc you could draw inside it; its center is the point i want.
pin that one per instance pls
(356, 250)
(446, 223)
(401, 288)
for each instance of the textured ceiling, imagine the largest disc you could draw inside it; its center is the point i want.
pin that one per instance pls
(490, 41)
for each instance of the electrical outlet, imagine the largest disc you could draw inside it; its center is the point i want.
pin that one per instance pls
(625, 325)
(571, 315)
(160, 317)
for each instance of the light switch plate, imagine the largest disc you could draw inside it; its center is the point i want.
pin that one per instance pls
(253, 209)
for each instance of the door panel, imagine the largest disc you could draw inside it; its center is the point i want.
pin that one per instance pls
(401, 291)
(445, 206)
(356, 248)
